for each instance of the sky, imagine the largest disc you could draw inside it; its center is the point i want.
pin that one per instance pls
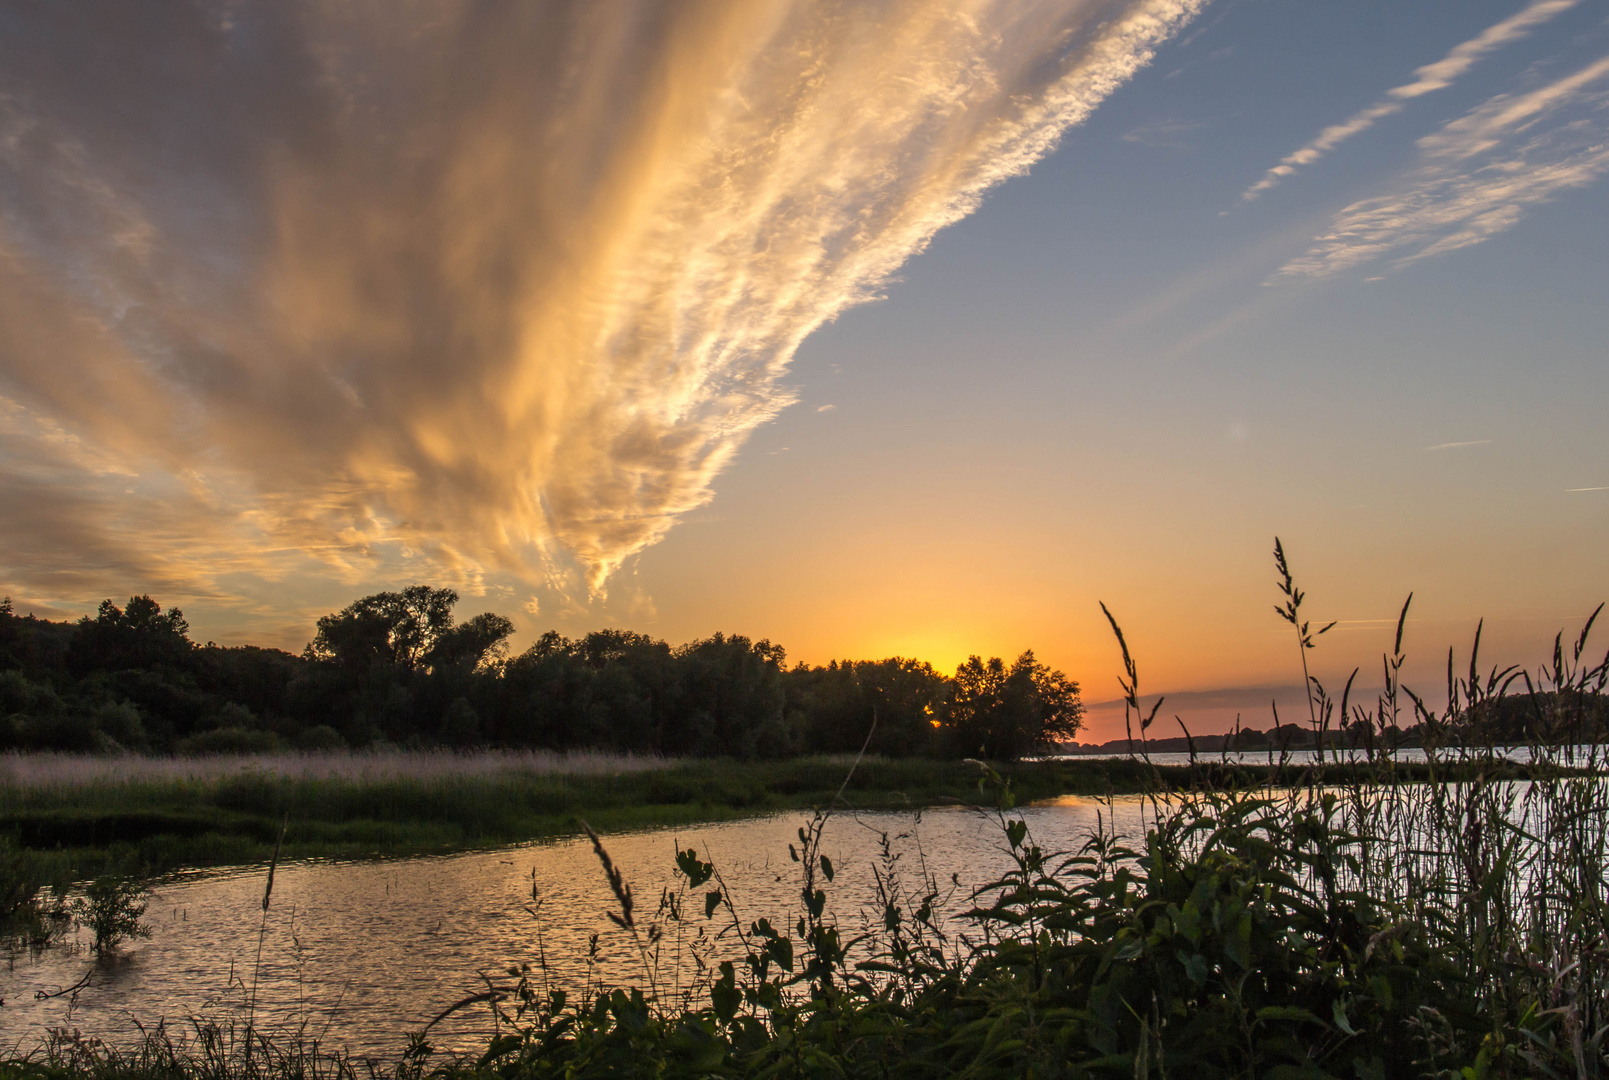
(880, 328)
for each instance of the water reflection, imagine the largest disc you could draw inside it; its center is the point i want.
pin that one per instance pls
(359, 954)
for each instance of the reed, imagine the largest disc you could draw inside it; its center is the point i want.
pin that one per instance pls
(50, 770)
(76, 830)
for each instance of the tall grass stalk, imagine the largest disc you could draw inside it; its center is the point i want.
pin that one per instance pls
(262, 927)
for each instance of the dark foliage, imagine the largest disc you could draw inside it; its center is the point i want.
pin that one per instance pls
(395, 668)
(1001, 713)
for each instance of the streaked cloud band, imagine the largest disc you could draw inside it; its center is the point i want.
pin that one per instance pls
(1429, 79)
(1477, 177)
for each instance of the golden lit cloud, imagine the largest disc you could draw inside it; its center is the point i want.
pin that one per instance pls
(392, 287)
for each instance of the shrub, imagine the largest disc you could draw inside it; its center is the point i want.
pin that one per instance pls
(20, 882)
(320, 737)
(230, 740)
(121, 725)
(111, 908)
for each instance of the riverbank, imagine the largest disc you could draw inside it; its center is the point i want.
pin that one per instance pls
(153, 816)
(162, 815)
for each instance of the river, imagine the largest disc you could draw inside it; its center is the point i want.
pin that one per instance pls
(360, 954)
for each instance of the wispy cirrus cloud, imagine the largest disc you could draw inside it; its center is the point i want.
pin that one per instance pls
(1477, 177)
(1429, 79)
(460, 289)
(1171, 134)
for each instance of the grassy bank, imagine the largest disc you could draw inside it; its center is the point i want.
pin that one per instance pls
(150, 816)
(164, 818)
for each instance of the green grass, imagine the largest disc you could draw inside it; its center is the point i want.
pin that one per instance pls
(152, 826)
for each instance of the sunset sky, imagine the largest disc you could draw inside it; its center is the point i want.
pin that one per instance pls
(879, 327)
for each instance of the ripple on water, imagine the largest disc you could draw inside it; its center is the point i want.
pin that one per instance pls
(360, 954)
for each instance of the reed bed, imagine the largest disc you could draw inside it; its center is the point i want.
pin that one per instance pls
(96, 821)
(67, 771)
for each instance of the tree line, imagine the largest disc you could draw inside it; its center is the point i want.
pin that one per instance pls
(396, 668)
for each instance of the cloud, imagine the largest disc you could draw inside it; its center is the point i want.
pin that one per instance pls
(825, 408)
(1477, 177)
(366, 290)
(1430, 78)
(1167, 134)
(1459, 445)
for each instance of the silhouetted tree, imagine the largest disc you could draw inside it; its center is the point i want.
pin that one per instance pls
(613, 689)
(388, 627)
(730, 699)
(141, 635)
(1006, 713)
(471, 644)
(832, 707)
(10, 636)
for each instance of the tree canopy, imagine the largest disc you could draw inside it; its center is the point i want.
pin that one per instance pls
(397, 668)
(995, 712)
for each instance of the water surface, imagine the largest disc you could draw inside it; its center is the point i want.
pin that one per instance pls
(360, 954)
